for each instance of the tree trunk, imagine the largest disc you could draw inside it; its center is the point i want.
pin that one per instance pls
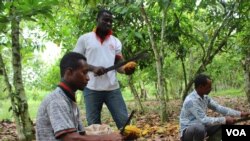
(18, 98)
(135, 93)
(184, 71)
(156, 94)
(160, 82)
(159, 65)
(246, 66)
(165, 86)
(144, 94)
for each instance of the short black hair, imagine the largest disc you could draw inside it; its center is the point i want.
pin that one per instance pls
(201, 80)
(99, 14)
(70, 60)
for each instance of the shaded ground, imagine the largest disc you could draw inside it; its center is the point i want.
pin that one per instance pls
(149, 123)
(7, 131)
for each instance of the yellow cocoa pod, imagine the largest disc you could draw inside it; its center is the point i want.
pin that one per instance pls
(132, 131)
(130, 65)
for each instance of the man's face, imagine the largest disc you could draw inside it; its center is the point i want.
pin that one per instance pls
(80, 76)
(105, 21)
(207, 88)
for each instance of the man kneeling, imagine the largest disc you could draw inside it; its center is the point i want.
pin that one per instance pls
(195, 125)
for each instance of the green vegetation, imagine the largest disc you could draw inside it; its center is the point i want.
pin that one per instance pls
(35, 98)
(229, 92)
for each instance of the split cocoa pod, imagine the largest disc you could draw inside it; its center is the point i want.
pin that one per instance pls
(131, 132)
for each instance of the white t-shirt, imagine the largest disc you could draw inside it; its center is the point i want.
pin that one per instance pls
(100, 54)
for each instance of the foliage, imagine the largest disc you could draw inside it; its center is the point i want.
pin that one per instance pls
(50, 78)
(220, 66)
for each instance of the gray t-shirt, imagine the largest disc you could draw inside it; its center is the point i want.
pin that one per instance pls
(56, 116)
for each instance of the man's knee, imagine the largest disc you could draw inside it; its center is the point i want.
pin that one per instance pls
(195, 132)
(199, 129)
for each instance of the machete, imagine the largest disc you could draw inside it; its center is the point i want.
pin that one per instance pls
(127, 122)
(140, 55)
(242, 119)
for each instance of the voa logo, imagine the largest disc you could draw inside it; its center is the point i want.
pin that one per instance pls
(236, 132)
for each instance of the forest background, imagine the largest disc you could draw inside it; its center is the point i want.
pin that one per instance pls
(183, 38)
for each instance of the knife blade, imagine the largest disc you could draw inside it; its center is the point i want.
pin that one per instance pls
(242, 119)
(140, 55)
(127, 122)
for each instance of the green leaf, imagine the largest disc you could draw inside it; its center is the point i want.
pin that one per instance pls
(124, 10)
(10, 109)
(138, 35)
(3, 19)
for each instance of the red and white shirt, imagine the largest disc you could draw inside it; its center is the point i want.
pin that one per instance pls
(100, 53)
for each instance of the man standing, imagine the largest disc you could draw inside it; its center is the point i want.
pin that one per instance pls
(103, 50)
(58, 115)
(195, 125)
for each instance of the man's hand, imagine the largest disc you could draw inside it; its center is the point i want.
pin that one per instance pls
(230, 120)
(245, 114)
(98, 71)
(129, 68)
